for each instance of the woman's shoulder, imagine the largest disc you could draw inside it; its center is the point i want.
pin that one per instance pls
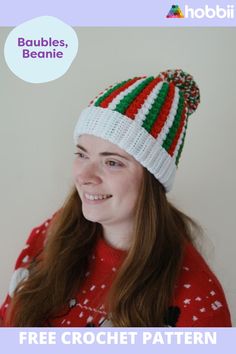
(196, 270)
(33, 248)
(199, 293)
(34, 244)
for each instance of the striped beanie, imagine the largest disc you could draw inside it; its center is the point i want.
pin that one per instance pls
(147, 117)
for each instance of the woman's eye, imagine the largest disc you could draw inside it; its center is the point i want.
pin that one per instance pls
(112, 163)
(80, 155)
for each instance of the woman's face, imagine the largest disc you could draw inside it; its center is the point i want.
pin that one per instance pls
(108, 181)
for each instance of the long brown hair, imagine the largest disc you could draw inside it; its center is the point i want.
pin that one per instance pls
(144, 286)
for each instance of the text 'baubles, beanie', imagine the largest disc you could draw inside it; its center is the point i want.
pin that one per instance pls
(147, 117)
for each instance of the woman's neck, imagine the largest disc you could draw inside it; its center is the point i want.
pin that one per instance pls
(117, 238)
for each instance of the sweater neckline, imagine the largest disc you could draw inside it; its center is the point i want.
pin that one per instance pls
(108, 254)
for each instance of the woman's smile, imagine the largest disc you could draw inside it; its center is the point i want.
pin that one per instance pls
(95, 198)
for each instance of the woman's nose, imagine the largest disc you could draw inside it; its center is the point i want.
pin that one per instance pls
(89, 175)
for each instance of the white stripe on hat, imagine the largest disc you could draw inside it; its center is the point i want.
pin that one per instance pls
(147, 105)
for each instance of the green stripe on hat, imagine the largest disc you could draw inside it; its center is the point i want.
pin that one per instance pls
(128, 99)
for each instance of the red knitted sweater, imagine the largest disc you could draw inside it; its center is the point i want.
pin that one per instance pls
(199, 298)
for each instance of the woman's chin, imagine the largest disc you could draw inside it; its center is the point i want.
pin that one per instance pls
(92, 217)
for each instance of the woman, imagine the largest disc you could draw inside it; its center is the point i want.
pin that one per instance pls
(118, 253)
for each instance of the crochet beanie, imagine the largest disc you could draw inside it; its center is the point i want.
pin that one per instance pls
(147, 117)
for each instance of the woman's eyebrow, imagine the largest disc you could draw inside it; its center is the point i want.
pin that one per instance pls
(105, 153)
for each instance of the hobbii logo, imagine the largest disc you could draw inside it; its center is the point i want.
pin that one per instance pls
(209, 12)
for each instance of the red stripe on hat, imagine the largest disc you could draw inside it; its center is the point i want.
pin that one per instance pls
(141, 98)
(100, 94)
(179, 131)
(110, 98)
(165, 110)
